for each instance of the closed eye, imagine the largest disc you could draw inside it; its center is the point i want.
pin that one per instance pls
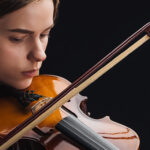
(44, 35)
(15, 39)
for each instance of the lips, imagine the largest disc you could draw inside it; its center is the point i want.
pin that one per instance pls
(30, 73)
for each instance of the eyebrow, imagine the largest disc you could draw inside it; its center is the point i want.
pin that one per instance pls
(25, 31)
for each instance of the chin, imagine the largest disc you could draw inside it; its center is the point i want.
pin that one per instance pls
(23, 84)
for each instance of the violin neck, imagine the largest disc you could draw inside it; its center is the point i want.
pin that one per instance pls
(83, 135)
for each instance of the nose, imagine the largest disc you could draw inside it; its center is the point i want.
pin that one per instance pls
(37, 52)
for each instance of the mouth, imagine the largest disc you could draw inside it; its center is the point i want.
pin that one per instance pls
(31, 73)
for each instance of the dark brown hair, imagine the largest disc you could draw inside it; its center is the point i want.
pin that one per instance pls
(8, 6)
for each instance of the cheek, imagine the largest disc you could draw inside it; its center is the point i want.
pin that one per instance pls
(7, 53)
(45, 44)
(9, 56)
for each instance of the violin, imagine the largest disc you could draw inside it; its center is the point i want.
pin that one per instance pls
(57, 117)
(45, 133)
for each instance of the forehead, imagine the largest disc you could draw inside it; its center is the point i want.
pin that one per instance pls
(35, 16)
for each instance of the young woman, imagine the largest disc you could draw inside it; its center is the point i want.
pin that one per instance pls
(24, 30)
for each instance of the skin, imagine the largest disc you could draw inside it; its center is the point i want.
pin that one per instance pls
(23, 41)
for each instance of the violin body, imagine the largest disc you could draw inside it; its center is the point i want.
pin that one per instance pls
(45, 136)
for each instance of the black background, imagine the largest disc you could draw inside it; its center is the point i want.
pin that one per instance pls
(85, 32)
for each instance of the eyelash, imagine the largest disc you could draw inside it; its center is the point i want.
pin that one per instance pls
(18, 40)
(44, 35)
(14, 39)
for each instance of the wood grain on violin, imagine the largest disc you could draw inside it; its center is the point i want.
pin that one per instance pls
(49, 86)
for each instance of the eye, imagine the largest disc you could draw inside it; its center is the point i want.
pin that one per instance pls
(45, 35)
(15, 39)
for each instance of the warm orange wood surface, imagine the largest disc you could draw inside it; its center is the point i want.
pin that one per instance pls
(12, 113)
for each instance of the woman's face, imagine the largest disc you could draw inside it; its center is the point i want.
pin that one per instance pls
(23, 40)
